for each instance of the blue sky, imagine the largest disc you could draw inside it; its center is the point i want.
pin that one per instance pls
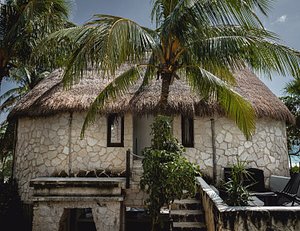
(283, 19)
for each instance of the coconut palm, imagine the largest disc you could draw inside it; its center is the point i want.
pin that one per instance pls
(22, 24)
(6, 147)
(201, 41)
(293, 87)
(25, 80)
(292, 101)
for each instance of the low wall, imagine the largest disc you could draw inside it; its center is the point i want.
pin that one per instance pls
(54, 196)
(219, 216)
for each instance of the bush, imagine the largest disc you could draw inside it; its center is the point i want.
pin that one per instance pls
(10, 207)
(294, 169)
(236, 193)
(167, 174)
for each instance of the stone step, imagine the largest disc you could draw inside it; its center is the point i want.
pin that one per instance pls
(137, 167)
(186, 212)
(137, 163)
(186, 204)
(137, 170)
(192, 226)
(187, 216)
(187, 201)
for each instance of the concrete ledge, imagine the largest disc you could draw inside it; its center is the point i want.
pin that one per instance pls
(78, 199)
(76, 181)
(77, 186)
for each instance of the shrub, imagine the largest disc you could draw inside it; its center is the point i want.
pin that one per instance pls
(236, 193)
(167, 174)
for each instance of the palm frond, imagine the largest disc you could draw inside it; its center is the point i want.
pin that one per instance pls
(237, 46)
(268, 57)
(23, 24)
(125, 41)
(105, 44)
(293, 87)
(9, 93)
(36, 15)
(161, 9)
(9, 103)
(149, 73)
(212, 88)
(114, 89)
(212, 64)
(190, 14)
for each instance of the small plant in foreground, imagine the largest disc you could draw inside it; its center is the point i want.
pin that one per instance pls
(237, 193)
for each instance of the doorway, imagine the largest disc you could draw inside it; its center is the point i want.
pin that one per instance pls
(77, 220)
(141, 133)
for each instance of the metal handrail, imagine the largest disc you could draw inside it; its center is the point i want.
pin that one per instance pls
(128, 167)
(138, 156)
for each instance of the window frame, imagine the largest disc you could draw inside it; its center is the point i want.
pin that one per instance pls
(110, 120)
(191, 131)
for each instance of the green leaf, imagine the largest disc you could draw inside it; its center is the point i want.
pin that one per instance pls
(116, 88)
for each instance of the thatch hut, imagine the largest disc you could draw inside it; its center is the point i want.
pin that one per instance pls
(48, 139)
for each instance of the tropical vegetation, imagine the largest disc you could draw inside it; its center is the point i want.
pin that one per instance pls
(24, 80)
(23, 23)
(236, 192)
(201, 41)
(164, 167)
(6, 149)
(292, 101)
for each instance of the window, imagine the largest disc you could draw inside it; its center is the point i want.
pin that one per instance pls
(115, 130)
(187, 131)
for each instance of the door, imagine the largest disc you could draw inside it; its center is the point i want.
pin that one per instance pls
(141, 133)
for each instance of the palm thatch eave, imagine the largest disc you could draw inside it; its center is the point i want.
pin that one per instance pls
(50, 98)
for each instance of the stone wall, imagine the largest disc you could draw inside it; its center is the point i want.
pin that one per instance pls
(219, 216)
(47, 215)
(266, 150)
(47, 146)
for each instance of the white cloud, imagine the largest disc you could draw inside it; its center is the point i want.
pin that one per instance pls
(282, 19)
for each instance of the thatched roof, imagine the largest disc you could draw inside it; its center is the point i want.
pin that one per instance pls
(49, 97)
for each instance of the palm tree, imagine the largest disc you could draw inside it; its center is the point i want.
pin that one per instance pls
(25, 80)
(293, 87)
(201, 41)
(6, 147)
(22, 24)
(292, 101)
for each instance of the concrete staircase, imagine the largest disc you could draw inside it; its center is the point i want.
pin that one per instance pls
(137, 171)
(187, 215)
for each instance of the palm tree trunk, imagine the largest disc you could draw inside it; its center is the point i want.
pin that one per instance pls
(165, 89)
(4, 71)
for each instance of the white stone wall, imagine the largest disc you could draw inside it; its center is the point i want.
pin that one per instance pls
(106, 216)
(266, 150)
(44, 147)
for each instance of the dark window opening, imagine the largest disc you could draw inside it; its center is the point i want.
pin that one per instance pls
(187, 131)
(115, 130)
(77, 220)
